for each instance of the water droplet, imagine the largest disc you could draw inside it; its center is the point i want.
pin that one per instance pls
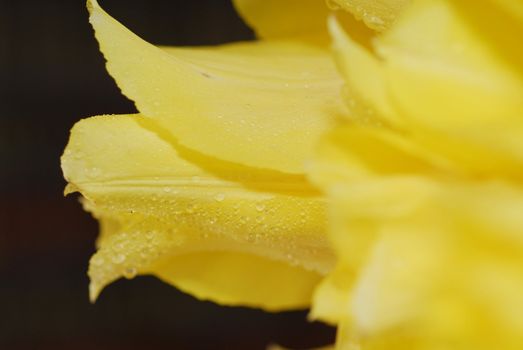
(119, 246)
(149, 235)
(260, 207)
(219, 197)
(191, 208)
(376, 21)
(144, 253)
(94, 172)
(332, 4)
(118, 258)
(167, 189)
(130, 272)
(97, 260)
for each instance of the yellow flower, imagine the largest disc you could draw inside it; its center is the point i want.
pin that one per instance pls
(419, 162)
(205, 188)
(425, 182)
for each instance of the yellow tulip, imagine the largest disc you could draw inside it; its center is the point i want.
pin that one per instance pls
(425, 182)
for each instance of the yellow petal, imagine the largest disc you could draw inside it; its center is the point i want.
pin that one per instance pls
(434, 55)
(365, 91)
(425, 258)
(259, 104)
(437, 265)
(512, 7)
(284, 18)
(377, 14)
(423, 61)
(354, 153)
(257, 241)
(433, 279)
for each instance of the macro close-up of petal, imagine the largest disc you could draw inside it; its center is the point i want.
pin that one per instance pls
(163, 215)
(361, 160)
(206, 186)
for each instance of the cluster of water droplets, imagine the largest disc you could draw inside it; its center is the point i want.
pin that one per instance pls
(374, 21)
(274, 226)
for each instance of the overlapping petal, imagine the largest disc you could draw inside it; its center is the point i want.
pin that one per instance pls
(418, 64)
(171, 212)
(307, 19)
(377, 14)
(266, 103)
(206, 189)
(425, 183)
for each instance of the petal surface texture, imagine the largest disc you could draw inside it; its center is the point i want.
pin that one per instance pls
(236, 236)
(377, 14)
(262, 104)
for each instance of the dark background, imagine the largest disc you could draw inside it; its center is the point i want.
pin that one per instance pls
(51, 75)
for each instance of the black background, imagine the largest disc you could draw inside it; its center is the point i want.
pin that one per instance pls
(51, 75)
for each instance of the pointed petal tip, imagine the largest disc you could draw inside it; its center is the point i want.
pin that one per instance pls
(94, 292)
(91, 5)
(70, 188)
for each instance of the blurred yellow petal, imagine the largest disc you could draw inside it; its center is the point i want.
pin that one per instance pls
(420, 65)
(353, 153)
(434, 54)
(437, 52)
(260, 104)
(377, 14)
(512, 7)
(432, 282)
(285, 18)
(223, 232)
(426, 259)
(365, 88)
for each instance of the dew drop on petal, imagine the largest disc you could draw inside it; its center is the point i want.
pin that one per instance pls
(130, 272)
(260, 207)
(97, 260)
(118, 258)
(332, 4)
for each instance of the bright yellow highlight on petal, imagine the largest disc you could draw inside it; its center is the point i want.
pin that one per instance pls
(255, 241)
(265, 104)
